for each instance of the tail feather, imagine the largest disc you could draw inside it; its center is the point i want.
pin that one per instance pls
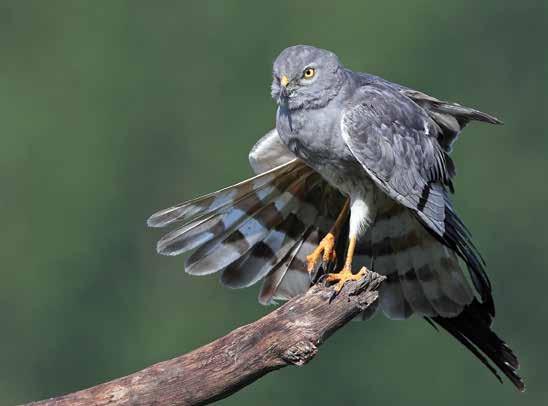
(425, 277)
(422, 275)
(393, 300)
(374, 251)
(410, 257)
(452, 280)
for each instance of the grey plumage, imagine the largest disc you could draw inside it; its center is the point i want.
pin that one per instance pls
(386, 147)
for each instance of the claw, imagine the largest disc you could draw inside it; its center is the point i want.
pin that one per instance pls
(344, 276)
(325, 250)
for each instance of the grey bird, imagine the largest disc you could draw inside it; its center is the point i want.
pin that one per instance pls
(359, 162)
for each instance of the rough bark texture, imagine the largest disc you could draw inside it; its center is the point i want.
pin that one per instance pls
(290, 335)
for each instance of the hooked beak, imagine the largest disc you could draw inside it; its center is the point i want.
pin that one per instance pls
(284, 97)
(283, 82)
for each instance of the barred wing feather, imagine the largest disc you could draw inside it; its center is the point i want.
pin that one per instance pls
(252, 230)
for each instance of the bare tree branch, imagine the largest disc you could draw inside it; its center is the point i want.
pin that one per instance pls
(290, 335)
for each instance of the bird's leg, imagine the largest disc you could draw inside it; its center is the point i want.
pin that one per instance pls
(326, 247)
(345, 274)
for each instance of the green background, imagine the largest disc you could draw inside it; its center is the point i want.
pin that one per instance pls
(111, 110)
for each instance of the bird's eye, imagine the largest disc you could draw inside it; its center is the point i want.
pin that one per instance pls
(309, 73)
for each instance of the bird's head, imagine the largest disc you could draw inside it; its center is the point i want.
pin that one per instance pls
(306, 77)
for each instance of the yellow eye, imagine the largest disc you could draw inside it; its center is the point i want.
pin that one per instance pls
(309, 73)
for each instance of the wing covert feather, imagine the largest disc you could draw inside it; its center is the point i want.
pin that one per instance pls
(395, 142)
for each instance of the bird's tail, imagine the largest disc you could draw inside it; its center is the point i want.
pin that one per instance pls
(425, 277)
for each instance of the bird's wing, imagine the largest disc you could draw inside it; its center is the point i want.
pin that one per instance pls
(395, 141)
(269, 152)
(450, 117)
(398, 145)
(258, 229)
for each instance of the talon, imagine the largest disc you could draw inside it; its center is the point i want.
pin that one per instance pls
(326, 247)
(325, 250)
(344, 276)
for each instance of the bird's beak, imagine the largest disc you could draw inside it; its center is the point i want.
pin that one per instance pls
(283, 82)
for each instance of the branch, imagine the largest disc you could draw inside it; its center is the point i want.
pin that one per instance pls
(290, 335)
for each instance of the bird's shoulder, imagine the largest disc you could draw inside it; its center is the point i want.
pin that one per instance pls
(394, 139)
(445, 119)
(377, 102)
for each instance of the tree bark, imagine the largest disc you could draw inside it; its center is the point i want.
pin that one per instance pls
(290, 335)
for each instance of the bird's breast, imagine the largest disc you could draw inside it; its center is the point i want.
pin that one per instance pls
(314, 136)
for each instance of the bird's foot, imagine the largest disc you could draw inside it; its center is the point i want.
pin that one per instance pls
(344, 276)
(324, 251)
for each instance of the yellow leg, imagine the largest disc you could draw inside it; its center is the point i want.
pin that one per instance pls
(326, 247)
(345, 273)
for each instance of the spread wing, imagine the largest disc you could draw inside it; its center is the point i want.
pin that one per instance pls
(396, 142)
(258, 229)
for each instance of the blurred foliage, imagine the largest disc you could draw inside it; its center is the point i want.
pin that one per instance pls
(111, 110)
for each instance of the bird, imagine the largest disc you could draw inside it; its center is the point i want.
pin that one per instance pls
(356, 163)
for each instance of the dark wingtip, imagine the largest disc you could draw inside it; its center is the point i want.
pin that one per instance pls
(496, 121)
(472, 329)
(469, 114)
(487, 118)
